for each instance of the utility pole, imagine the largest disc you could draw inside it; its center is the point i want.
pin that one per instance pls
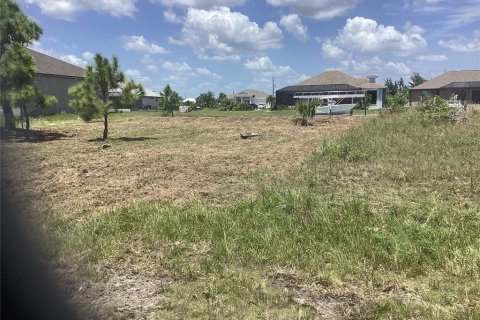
(272, 107)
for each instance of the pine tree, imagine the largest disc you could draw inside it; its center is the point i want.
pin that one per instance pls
(95, 96)
(16, 32)
(416, 79)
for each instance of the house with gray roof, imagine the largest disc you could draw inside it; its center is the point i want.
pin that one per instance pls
(465, 84)
(54, 77)
(337, 92)
(149, 100)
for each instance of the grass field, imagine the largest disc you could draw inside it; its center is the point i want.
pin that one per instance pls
(351, 218)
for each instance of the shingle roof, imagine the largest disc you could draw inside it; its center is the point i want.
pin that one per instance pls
(449, 78)
(151, 93)
(338, 77)
(249, 93)
(53, 66)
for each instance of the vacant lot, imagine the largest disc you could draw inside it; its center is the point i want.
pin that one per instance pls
(155, 158)
(179, 218)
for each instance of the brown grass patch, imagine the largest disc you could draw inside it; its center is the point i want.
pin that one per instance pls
(176, 159)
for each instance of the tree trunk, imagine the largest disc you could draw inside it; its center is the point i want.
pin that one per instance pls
(27, 122)
(8, 114)
(105, 126)
(172, 110)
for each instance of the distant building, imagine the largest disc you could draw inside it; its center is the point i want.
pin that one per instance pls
(149, 100)
(250, 96)
(54, 77)
(337, 92)
(464, 83)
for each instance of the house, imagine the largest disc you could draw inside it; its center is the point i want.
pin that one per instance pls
(250, 96)
(465, 84)
(337, 92)
(149, 100)
(54, 77)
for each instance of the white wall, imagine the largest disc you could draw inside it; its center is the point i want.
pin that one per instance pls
(150, 101)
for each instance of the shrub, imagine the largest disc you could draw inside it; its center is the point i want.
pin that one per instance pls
(434, 110)
(305, 109)
(396, 103)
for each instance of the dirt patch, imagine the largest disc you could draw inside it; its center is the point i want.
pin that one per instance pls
(124, 295)
(327, 304)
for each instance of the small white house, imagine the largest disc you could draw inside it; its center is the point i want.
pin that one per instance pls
(250, 96)
(149, 100)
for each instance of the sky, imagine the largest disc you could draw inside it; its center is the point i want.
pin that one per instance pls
(231, 45)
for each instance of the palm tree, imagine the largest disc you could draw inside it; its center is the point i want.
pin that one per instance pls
(169, 99)
(271, 101)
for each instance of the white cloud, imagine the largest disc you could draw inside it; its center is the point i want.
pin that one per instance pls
(66, 9)
(432, 57)
(202, 4)
(463, 44)
(367, 36)
(134, 74)
(331, 51)
(265, 67)
(88, 56)
(463, 14)
(412, 28)
(151, 67)
(424, 5)
(140, 44)
(293, 24)
(179, 67)
(73, 59)
(170, 16)
(207, 73)
(149, 62)
(220, 34)
(317, 9)
(399, 68)
(363, 66)
(181, 70)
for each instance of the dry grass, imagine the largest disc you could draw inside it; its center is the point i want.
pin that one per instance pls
(154, 158)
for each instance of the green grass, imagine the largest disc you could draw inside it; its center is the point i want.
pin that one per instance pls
(392, 202)
(255, 113)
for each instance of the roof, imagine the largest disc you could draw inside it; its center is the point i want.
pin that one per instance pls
(248, 93)
(53, 66)
(450, 77)
(151, 93)
(337, 77)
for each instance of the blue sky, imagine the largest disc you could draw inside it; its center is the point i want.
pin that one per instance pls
(227, 45)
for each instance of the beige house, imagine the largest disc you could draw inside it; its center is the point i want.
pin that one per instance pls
(464, 83)
(53, 77)
(250, 96)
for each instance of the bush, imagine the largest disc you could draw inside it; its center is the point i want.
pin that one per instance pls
(305, 109)
(434, 110)
(242, 107)
(396, 103)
